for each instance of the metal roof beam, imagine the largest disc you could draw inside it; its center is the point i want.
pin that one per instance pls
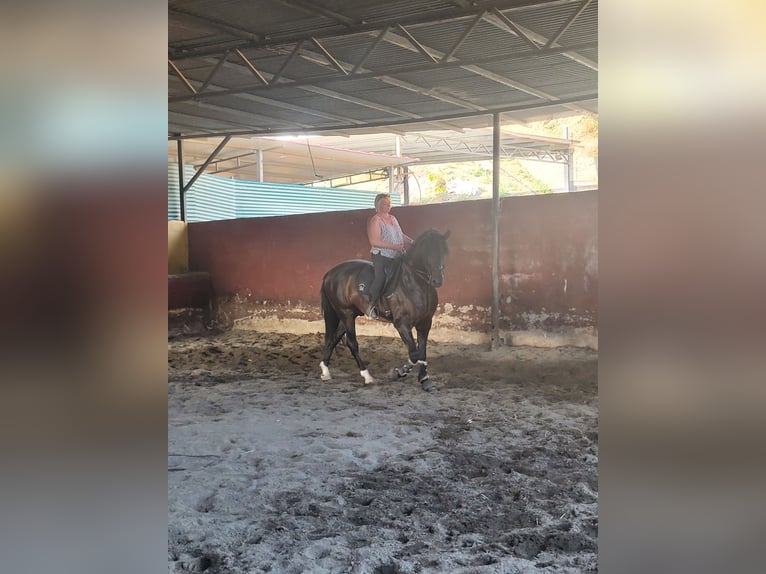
(312, 8)
(502, 21)
(409, 86)
(510, 83)
(418, 46)
(176, 123)
(481, 149)
(401, 69)
(244, 122)
(392, 38)
(360, 102)
(345, 24)
(295, 108)
(375, 43)
(461, 3)
(216, 24)
(459, 42)
(236, 158)
(431, 94)
(296, 49)
(215, 69)
(279, 103)
(244, 117)
(511, 27)
(364, 177)
(235, 168)
(555, 38)
(199, 172)
(183, 78)
(251, 67)
(388, 124)
(327, 93)
(330, 57)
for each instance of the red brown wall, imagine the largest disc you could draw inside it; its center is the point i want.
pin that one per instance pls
(548, 255)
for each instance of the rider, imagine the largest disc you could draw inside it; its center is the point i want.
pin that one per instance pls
(387, 242)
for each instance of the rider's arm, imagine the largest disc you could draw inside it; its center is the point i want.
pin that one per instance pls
(407, 239)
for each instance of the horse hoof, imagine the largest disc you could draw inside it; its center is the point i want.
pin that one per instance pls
(427, 384)
(393, 375)
(325, 377)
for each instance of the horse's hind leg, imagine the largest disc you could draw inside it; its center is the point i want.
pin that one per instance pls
(334, 331)
(349, 323)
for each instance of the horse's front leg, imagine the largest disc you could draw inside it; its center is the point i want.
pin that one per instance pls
(415, 353)
(405, 332)
(423, 329)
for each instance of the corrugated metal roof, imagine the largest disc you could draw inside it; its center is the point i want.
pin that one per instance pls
(547, 23)
(359, 65)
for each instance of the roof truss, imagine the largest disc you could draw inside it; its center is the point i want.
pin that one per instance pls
(327, 61)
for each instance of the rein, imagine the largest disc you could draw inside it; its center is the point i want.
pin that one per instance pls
(425, 276)
(419, 273)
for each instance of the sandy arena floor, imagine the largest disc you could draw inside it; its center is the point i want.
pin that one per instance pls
(272, 470)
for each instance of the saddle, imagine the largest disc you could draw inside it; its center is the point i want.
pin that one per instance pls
(392, 272)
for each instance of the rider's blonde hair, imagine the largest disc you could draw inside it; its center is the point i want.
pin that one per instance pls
(379, 198)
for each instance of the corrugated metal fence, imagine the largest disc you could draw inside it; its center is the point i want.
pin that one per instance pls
(213, 198)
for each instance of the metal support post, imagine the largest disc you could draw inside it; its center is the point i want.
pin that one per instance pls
(181, 191)
(495, 231)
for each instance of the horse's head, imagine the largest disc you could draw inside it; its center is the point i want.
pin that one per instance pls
(427, 256)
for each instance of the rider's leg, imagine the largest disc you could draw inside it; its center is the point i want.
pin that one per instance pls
(379, 265)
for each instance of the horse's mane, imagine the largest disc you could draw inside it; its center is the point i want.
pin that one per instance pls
(428, 241)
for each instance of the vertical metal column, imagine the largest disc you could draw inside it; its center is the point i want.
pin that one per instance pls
(495, 342)
(569, 167)
(181, 193)
(396, 170)
(406, 184)
(259, 158)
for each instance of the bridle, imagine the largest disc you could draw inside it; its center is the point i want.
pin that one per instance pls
(427, 276)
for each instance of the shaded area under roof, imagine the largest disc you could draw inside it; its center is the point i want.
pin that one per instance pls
(292, 161)
(307, 160)
(447, 147)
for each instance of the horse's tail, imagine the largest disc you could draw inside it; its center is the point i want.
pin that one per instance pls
(326, 307)
(331, 318)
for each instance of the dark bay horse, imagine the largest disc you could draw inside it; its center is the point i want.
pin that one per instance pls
(409, 301)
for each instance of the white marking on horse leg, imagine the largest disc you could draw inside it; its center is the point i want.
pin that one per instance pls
(367, 377)
(326, 376)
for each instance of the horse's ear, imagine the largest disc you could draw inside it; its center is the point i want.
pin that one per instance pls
(446, 235)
